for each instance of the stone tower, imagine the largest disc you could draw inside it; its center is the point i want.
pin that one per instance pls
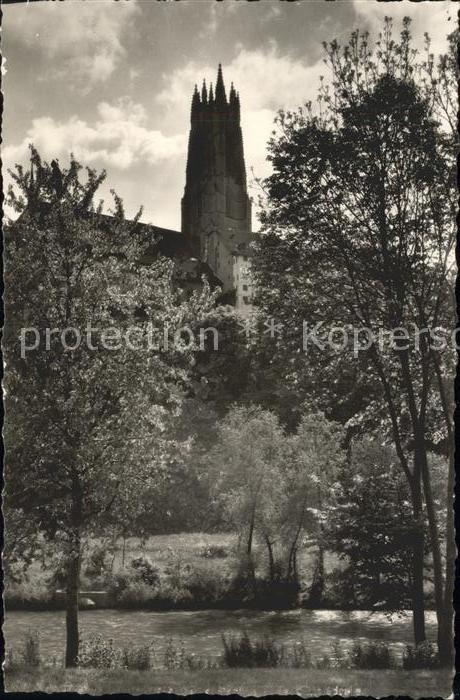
(216, 209)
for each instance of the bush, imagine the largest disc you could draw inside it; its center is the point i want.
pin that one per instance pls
(206, 583)
(421, 656)
(119, 582)
(136, 593)
(145, 571)
(375, 655)
(29, 596)
(176, 658)
(96, 564)
(242, 652)
(97, 652)
(137, 658)
(169, 594)
(214, 551)
(177, 570)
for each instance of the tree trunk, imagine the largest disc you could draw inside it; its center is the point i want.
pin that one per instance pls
(414, 481)
(271, 560)
(292, 560)
(418, 598)
(251, 567)
(445, 621)
(295, 575)
(73, 572)
(444, 607)
(123, 551)
(73, 581)
(418, 427)
(317, 586)
(251, 532)
(445, 637)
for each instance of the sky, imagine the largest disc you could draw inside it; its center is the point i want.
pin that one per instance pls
(112, 82)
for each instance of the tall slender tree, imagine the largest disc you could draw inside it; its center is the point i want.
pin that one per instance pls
(359, 231)
(89, 393)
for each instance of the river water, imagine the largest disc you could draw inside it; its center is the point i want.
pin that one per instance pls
(200, 631)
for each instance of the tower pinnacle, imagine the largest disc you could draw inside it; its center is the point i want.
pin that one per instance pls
(204, 93)
(195, 102)
(221, 98)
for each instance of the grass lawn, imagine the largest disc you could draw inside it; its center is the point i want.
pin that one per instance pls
(244, 681)
(189, 546)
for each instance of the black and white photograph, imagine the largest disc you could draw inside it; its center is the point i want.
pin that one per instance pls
(229, 347)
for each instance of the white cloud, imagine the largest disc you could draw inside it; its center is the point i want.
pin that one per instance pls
(118, 138)
(81, 39)
(266, 81)
(264, 78)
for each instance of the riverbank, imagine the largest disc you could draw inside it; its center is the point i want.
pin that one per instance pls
(200, 633)
(257, 682)
(188, 571)
(176, 572)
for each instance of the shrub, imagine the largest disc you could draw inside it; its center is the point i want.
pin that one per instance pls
(214, 551)
(96, 563)
(205, 583)
(176, 658)
(97, 652)
(243, 652)
(421, 656)
(177, 570)
(375, 655)
(27, 595)
(169, 594)
(133, 593)
(145, 571)
(242, 583)
(137, 658)
(119, 582)
(30, 651)
(136, 593)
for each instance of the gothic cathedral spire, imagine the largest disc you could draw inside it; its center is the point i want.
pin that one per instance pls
(216, 209)
(221, 98)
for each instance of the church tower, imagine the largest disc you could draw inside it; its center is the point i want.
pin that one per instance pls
(216, 209)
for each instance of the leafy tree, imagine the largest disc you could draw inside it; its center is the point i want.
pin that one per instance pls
(223, 369)
(86, 428)
(370, 526)
(359, 227)
(245, 467)
(309, 460)
(274, 486)
(319, 444)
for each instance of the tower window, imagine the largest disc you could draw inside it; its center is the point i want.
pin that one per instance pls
(245, 287)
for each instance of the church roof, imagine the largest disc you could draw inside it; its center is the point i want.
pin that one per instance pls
(164, 241)
(173, 244)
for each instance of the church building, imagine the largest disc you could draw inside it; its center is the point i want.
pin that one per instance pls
(216, 209)
(215, 231)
